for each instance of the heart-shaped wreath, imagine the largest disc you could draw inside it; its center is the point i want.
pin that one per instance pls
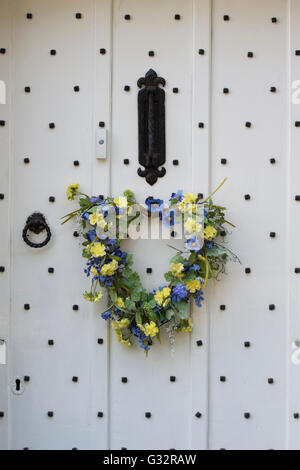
(135, 313)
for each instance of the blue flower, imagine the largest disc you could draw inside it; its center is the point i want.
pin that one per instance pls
(111, 314)
(209, 244)
(85, 215)
(95, 200)
(179, 293)
(91, 235)
(193, 244)
(111, 242)
(154, 205)
(142, 338)
(195, 268)
(169, 218)
(199, 298)
(178, 195)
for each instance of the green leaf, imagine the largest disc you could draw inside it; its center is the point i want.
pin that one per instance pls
(183, 309)
(178, 259)
(138, 318)
(152, 303)
(113, 295)
(153, 316)
(169, 314)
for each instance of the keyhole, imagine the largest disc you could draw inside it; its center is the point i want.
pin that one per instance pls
(18, 385)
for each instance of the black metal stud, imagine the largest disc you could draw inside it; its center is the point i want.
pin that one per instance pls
(177, 17)
(247, 344)
(247, 197)
(297, 198)
(26, 378)
(78, 16)
(225, 91)
(100, 341)
(27, 89)
(148, 415)
(250, 55)
(1, 414)
(124, 380)
(75, 379)
(201, 52)
(151, 53)
(51, 199)
(297, 124)
(29, 16)
(2, 196)
(273, 89)
(223, 307)
(222, 378)
(175, 90)
(101, 124)
(51, 125)
(247, 415)
(175, 162)
(127, 17)
(199, 343)
(75, 234)
(26, 307)
(127, 88)
(247, 270)
(200, 195)
(75, 308)
(50, 414)
(173, 234)
(50, 342)
(126, 161)
(274, 19)
(272, 161)
(272, 234)
(297, 270)
(2, 123)
(2, 50)
(223, 161)
(76, 88)
(149, 270)
(2, 269)
(76, 163)
(296, 415)
(248, 124)
(50, 270)
(198, 415)
(272, 307)
(297, 52)
(100, 414)
(226, 18)
(26, 160)
(172, 378)
(223, 233)
(270, 381)
(102, 51)
(52, 52)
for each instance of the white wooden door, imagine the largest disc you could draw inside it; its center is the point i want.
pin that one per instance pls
(68, 364)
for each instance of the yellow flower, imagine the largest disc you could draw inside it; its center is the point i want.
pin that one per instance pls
(93, 298)
(94, 271)
(120, 202)
(72, 191)
(98, 250)
(181, 207)
(110, 268)
(188, 328)
(210, 233)
(98, 297)
(193, 286)
(177, 269)
(189, 198)
(120, 324)
(166, 292)
(119, 335)
(126, 343)
(191, 226)
(161, 296)
(192, 208)
(120, 302)
(95, 218)
(149, 329)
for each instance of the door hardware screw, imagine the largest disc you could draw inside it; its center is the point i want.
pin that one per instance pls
(151, 53)
(124, 380)
(177, 17)
(76, 88)
(76, 234)
(201, 52)
(126, 161)
(250, 55)
(1, 414)
(78, 16)
(126, 88)
(247, 415)
(248, 124)
(53, 52)
(273, 89)
(75, 308)
(100, 414)
(297, 198)
(50, 342)
(75, 379)
(272, 307)
(148, 414)
(26, 307)
(225, 91)
(272, 234)
(247, 344)
(297, 270)
(200, 195)
(100, 341)
(127, 17)
(2, 50)
(50, 414)
(26, 160)
(297, 52)
(175, 90)
(296, 416)
(222, 378)
(26, 378)
(248, 270)
(51, 125)
(50, 270)
(2, 123)
(1, 196)
(27, 89)
(102, 51)
(2, 269)
(201, 125)
(175, 162)
(247, 197)
(101, 124)
(270, 381)
(272, 161)
(29, 16)
(199, 343)
(226, 17)
(274, 20)
(223, 307)
(223, 161)
(173, 234)
(149, 271)
(297, 124)
(76, 163)
(172, 378)
(51, 199)
(198, 415)
(223, 233)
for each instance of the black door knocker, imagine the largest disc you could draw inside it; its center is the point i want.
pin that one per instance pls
(36, 223)
(152, 142)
